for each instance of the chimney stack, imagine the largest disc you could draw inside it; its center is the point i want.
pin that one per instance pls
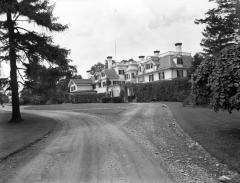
(178, 47)
(141, 58)
(156, 53)
(109, 62)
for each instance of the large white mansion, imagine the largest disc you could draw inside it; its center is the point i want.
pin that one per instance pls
(166, 66)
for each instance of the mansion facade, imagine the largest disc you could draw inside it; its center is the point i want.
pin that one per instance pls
(166, 66)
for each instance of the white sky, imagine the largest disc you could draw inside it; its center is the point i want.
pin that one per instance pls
(138, 26)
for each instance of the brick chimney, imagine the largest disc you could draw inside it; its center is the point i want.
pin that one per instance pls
(178, 47)
(141, 58)
(109, 62)
(156, 53)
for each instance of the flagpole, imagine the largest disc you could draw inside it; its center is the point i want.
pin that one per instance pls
(115, 49)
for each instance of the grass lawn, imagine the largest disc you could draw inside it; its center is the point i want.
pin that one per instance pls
(218, 133)
(14, 137)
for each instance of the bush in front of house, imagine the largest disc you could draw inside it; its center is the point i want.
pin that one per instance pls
(169, 90)
(106, 100)
(112, 100)
(88, 98)
(117, 100)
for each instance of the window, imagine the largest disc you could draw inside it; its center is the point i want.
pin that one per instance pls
(115, 82)
(148, 66)
(104, 84)
(179, 73)
(99, 84)
(179, 61)
(73, 88)
(121, 72)
(151, 78)
(103, 74)
(132, 75)
(151, 66)
(140, 69)
(94, 86)
(161, 75)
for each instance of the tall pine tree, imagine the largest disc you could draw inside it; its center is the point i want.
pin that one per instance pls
(21, 45)
(222, 26)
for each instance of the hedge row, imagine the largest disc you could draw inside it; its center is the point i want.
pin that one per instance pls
(87, 98)
(172, 90)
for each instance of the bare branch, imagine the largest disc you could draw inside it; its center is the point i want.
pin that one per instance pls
(23, 29)
(20, 74)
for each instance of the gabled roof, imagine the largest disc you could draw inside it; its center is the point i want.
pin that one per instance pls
(110, 73)
(81, 81)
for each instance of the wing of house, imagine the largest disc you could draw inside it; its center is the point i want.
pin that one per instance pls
(167, 66)
(81, 86)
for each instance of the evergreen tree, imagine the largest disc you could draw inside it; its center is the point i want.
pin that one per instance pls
(222, 26)
(22, 45)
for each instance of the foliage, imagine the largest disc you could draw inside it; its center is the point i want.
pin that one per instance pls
(87, 98)
(217, 80)
(112, 100)
(197, 59)
(172, 90)
(222, 26)
(3, 86)
(24, 47)
(200, 89)
(96, 69)
(46, 85)
(106, 100)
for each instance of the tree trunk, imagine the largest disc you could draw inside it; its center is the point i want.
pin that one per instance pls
(16, 115)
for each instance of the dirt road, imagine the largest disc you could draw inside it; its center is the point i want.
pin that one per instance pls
(91, 148)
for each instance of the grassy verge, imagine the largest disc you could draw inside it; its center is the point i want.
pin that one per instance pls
(218, 133)
(15, 137)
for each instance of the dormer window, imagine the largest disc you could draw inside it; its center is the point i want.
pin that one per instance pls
(149, 66)
(179, 61)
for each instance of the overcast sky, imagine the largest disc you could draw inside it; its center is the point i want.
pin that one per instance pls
(138, 26)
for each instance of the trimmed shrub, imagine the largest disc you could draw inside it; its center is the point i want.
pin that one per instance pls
(117, 100)
(87, 98)
(170, 90)
(106, 100)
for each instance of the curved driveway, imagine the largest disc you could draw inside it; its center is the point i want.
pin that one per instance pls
(90, 148)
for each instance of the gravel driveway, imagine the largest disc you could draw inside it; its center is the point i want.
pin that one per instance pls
(131, 145)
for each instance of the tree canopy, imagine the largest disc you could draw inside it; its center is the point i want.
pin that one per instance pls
(96, 69)
(222, 26)
(217, 80)
(23, 46)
